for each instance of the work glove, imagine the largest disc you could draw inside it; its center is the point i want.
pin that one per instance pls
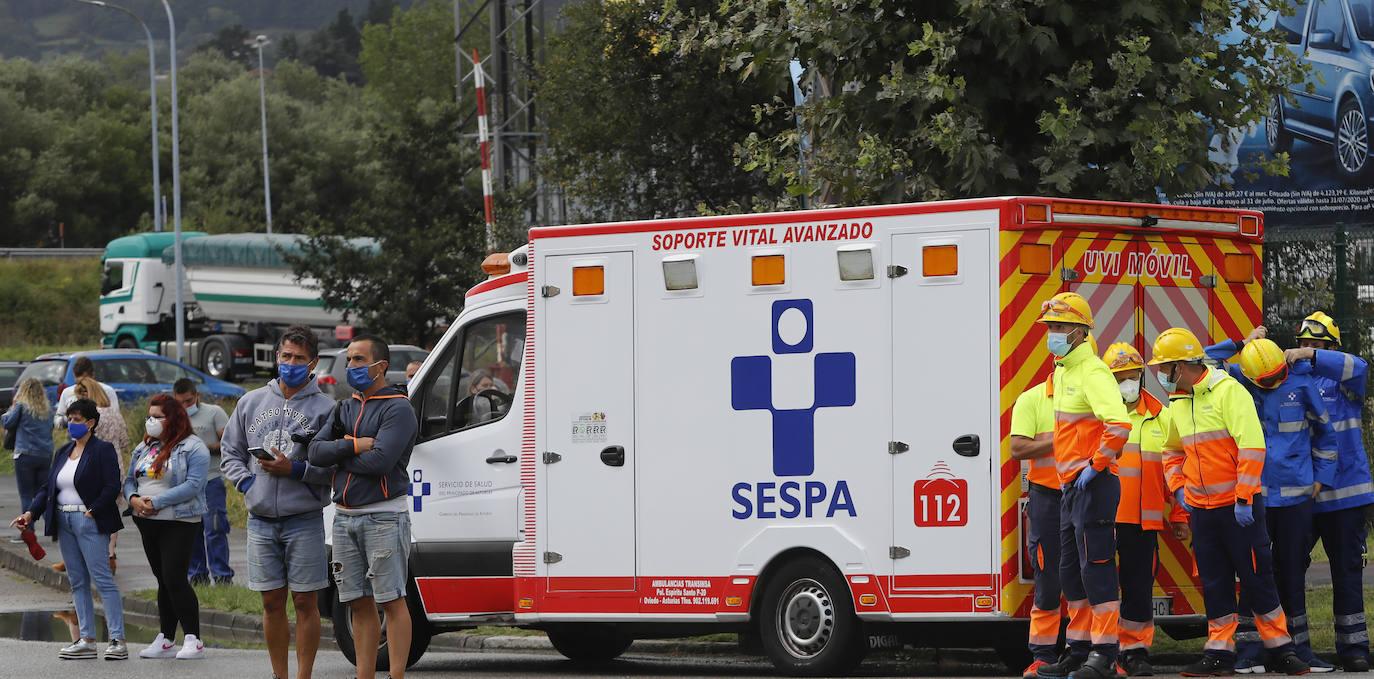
(1085, 477)
(1245, 514)
(1178, 499)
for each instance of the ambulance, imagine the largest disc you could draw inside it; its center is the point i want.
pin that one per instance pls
(792, 426)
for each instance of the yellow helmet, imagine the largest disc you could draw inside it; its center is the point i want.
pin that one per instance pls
(1262, 362)
(1175, 344)
(1121, 357)
(1319, 326)
(1067, 307)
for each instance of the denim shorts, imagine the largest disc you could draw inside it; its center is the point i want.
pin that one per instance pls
(370, 555)
(287, 553)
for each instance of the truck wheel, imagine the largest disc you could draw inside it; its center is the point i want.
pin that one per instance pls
(126, 342)
(420, 635)
(589, 643)
(807, 620)
(216, 360)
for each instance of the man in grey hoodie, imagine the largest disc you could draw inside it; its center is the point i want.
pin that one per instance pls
(285, 496)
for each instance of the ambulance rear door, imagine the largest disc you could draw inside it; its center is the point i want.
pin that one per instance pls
(944, 443)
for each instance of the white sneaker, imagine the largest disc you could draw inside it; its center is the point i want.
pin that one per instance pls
(162, 647)
(191, 648)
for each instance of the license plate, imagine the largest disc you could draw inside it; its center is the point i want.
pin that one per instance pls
(1164, 605)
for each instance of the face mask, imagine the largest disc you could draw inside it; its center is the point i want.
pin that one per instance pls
(358, 377)
(192, 409)
(76, 430)
(1168, 384)
(1130, 390)
(153, 427)
(1058, 343)
(293, 375)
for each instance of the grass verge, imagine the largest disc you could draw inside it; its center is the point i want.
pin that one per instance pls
(228, 598)
(1319, 620)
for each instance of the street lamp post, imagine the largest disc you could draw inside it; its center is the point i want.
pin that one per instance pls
(176, 191)
(260, 42)
(152, 89)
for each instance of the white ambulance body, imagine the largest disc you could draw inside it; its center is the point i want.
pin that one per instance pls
(787, 425)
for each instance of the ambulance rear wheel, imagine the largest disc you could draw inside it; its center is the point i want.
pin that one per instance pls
(807, 620)
(420, 633)
(589, 643)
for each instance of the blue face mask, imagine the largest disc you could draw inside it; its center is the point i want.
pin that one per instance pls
(192, 410)
(292, 374)
(1169, 385)
(358, 377)
(76, 430)
(1058, 343)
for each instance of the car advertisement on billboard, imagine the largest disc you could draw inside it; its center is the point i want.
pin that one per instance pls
(1324, 127)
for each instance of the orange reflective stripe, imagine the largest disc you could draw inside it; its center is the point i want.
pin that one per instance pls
(1221, 634)
(1044, 627)
(1273, 628)
(1106, 619)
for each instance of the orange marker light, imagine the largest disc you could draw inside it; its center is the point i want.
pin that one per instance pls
(1036, 259)
(734, 601)
(940, 260)
(769, 270)
(1239, 268)
(1037, 213)
(1249, 225)
(868, 599)
(589, 280)
(496, 264)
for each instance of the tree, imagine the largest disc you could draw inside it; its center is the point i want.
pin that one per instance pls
(229, 43)
(637, 129)
(978, 97)
(333, 50)
(410, 58)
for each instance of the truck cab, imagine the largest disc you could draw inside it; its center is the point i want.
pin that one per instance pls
(137, 290)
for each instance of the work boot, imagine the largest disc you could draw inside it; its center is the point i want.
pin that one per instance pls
(1063, 668)
(1137, 665)
(1355, 664)
(1096, 666)
(1033, 670)
(1291, 665)
(1210, 666)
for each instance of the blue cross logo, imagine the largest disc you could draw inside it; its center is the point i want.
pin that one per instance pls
(794, 430)
(419, 488)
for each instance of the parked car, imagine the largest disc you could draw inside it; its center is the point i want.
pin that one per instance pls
(332, 371)
(135, 374)
(9, 378)
(1336, 39)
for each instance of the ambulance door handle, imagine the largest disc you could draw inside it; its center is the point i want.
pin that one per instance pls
(613, 456)
(967, 445)
(501, 457)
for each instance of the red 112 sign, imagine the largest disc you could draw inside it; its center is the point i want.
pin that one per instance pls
(940, 499)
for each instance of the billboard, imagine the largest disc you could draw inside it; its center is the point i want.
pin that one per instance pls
(1325, 131)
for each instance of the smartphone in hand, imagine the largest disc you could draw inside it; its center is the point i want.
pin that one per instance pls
(260, 453)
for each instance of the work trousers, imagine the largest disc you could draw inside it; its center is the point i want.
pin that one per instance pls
(1087, 556)
(1289, 530)
(1042, 514)
(1224, 550)
(1137, 551)
(1343, 533)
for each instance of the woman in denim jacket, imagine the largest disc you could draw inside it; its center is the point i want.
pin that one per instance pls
(165, 485)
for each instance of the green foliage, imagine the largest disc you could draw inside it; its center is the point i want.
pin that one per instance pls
(229, 43)
(61, 309)
(980, 97)
(410, 57)
(637, 129)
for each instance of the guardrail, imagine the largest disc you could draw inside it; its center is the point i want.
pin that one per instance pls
(11, 253)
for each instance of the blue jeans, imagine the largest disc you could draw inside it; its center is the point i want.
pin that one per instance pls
(370, 555)
(86, 552)
(287, 553)
(215, 537)
(30, 471)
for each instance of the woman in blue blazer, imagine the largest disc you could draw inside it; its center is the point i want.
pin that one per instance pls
(79, 500)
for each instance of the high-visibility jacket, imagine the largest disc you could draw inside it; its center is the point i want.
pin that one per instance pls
(1032, 416)
(1300, 446)
(1340, 377)
(1144, 494)
(1090, 421)
(1215, 447)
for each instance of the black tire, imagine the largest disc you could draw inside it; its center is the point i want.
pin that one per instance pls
(807, 622)
(216, 359)
(126, 342)
(420, 635)
(589, 643)
(1276, 136)
(1351, 142)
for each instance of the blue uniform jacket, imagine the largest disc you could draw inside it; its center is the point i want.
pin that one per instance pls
(1340, 377)
(1300, 445)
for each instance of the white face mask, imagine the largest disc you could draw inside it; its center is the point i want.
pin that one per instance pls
(1130, 390)
(153, 427)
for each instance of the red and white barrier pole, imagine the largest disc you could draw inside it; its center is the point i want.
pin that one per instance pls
(484, 143)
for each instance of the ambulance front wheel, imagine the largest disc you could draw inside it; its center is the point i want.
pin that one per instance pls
(807, 620)
(589, 643)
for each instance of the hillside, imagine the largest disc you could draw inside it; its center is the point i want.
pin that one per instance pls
(39, 29)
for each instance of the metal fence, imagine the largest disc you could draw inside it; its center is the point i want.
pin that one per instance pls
(12, 253)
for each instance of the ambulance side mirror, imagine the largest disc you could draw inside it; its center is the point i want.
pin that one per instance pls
(967, 445)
